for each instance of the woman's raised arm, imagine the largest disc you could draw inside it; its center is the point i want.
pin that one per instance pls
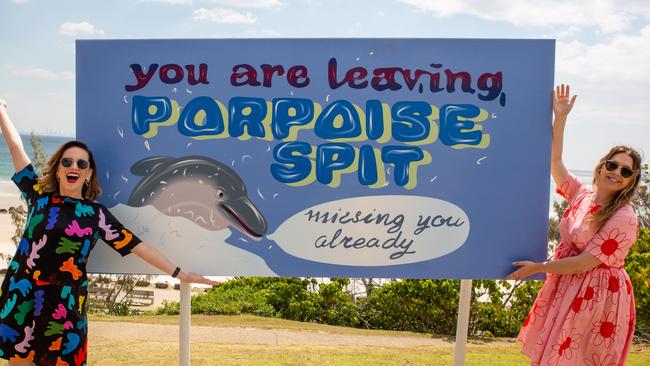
(562, 105)
(12, 138)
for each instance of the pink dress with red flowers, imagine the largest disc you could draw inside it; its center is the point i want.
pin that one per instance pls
(586, 318)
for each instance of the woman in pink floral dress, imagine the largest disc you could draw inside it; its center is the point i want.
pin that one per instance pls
(584, 314)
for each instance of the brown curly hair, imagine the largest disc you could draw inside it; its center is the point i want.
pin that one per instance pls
(625, 195)
(48, 182)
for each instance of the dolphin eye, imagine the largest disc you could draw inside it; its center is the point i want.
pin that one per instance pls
(220, 193)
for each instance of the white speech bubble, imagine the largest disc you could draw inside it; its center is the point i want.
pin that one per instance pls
(374, 231)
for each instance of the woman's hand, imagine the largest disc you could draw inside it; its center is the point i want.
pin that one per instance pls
(582, 262)
(154, 257)
(11, 136)
(191, 277)
(526, 268)
(562, 101)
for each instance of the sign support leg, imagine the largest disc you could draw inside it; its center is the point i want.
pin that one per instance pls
(462, 324)
(185, 313)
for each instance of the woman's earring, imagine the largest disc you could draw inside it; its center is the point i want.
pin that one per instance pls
(87, 182)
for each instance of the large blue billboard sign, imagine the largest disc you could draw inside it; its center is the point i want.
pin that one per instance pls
(421, 158)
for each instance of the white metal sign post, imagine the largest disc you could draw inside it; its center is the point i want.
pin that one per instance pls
(186, 323)
(463, 322)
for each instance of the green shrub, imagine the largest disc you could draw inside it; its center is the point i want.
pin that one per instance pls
(169, 308)
(415, 305)
(637, 265)
(290, 297)
(495, 320)
(232, 301)
(334, 306)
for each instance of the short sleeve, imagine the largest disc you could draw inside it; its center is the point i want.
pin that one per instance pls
(570, 188)
(614, 240)
(27, 182)
(115, 234)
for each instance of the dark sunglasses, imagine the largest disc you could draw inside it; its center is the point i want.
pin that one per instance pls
(81, 163)
(611, 166)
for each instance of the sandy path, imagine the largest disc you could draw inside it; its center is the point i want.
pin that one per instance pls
(231, 335)
(9, 196)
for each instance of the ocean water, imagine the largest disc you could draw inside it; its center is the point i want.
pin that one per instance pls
(49, 143)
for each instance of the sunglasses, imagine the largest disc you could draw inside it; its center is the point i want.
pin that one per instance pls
(81, 163)
(611, 166)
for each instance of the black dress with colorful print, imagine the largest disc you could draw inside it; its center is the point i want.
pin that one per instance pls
(42, 304)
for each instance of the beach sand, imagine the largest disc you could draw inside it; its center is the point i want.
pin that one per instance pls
(9, 196)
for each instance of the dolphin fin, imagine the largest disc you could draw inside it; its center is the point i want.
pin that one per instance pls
(146, 165)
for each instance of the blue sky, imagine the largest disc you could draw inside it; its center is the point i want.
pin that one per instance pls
(603, 48)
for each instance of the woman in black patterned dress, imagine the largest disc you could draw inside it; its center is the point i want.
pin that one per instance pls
(43, 296)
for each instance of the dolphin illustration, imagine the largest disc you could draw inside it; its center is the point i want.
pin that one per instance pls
(201, 189)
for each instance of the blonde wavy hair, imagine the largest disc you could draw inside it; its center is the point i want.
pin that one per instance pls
(625, 195)
(50, 184)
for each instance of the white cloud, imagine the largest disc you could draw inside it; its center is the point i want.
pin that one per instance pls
(623, 59)
(251, 4)
(381, 13)
(640, 7)
(79, 29)
(611, 77)
(19, 1)
(609, 16)
(566, 33)
(171, 2)
(40, 73)
(220, 15)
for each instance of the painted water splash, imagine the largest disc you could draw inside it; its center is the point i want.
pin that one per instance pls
(191, 246)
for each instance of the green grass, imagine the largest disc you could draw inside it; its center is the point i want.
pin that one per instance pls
(157, 353)
(105, 352)
(250, 321)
